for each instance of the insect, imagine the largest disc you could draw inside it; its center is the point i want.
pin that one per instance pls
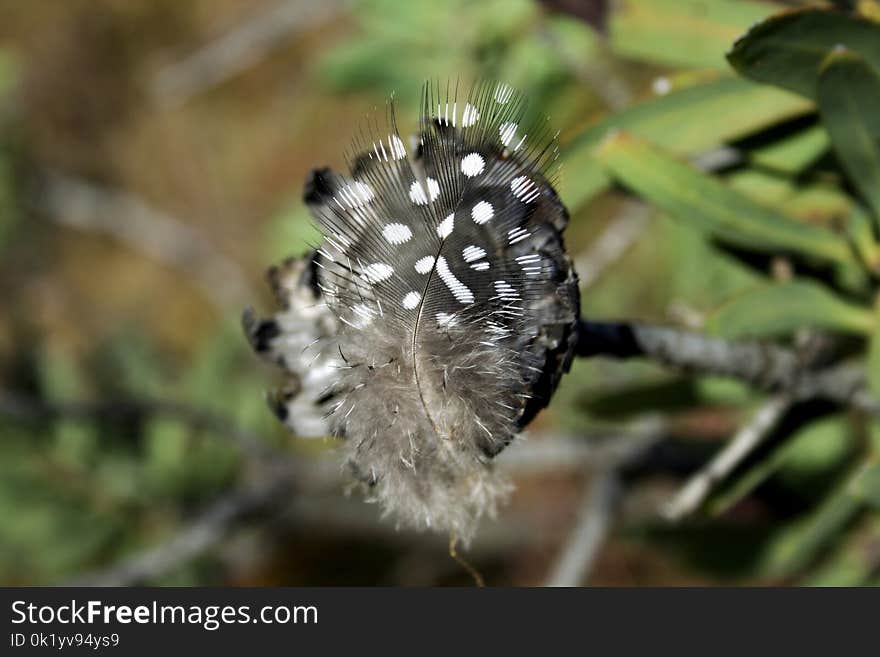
(438, 313)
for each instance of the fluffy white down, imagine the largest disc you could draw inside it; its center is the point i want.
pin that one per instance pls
(426, 472)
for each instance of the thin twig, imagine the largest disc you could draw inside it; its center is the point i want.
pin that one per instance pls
(32, 410)
(284, 496)
(765, 365)
(595, 520)
(752, 434)
(310, 511)
(196, 537)
(596, 74)
(615, 240)
(240, 49)
(603, 448)
(86, 206)
(600, 503)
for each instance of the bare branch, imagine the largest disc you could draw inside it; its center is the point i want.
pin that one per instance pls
(196, 537)
(752, 434)
(281, 494)
(762, 364)
(604, 448)
(595, 520)
(240, 49)
(600, 502)
(86, 206)
(615, 240)
(31, 410)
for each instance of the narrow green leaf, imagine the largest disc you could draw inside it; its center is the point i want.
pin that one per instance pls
(780, 308)
(819, 203)
(874, 437)
(799, 544)
(852, 564)
(708, 205)
(866, 485)
(787, 50)
(687, 121)
(861, 232)
(873, 365)
(688, 33)
(823, 443)
(849, 101)
(794, 153)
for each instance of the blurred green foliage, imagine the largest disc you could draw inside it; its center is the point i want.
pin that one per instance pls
(94, 325)
(832, 59)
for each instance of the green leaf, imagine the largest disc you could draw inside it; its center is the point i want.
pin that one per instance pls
(866, 485)
(849, 101)
(818, 445)
(687, 121)
(780, 308)
(708, 205)
(852, 564)
(861, 232)
(688, 33)
(794, 153)
(873, 364)
(874, 436)
(787, 50)
(799, 544)
(819, 202)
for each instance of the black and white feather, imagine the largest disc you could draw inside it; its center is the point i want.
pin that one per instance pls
(448, 303)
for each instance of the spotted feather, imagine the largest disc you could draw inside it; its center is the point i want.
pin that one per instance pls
(454, 301)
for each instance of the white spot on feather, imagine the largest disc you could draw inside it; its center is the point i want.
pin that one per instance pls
(425, 264)
(471, 253)
(517, 235)
(356, 194)
(531, 264)
(417, 194)
(444, 228)
(459, 290)
(503, 93)
(482, 212)
(397, 233)
(470, 116)
(524, 189)
(507, 131)
(411, 300)
(472, 165)
(398, 150)
(505, 290)
(378, 272)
